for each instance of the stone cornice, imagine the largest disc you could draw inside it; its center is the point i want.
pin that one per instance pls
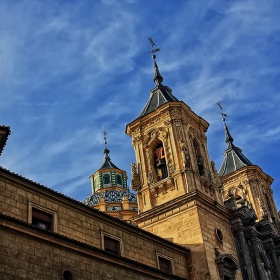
(189, 200)
(4, 134)
(165, 109)
(247, 171)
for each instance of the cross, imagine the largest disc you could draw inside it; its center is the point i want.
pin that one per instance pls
(105, 133)
(153, 45)
(221, 111)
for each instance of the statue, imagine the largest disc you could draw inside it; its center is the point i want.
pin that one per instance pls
(133, 168)
(135, 180)
(213, 167)
(185, 156)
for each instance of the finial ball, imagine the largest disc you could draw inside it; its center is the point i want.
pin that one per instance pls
(154, 56)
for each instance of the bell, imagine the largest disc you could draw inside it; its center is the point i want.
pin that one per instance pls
(161, 163)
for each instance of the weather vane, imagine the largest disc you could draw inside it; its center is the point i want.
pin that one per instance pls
(153, 51)
(221, 111)
(105, 139)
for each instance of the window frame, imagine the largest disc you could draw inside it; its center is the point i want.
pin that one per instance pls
(118, 176)
(105, 176)
(31, 205)
(108, 235)
(158, 256)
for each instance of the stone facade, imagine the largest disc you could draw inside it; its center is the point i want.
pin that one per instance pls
(75, 241)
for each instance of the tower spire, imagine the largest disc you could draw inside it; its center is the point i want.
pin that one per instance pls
(158, 79)
(228, 138)
(106, 150)
(233, 157)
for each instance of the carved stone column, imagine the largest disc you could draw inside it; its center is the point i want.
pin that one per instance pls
(275, 262)
(256, 252)
(238, 227)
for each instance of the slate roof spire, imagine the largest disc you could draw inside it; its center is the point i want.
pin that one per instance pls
(233, 156)
(229, 139)
(158, 79)
(107, 160)
(160, 94)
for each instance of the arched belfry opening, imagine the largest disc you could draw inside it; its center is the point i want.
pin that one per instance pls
(160, 164)
(199, 158)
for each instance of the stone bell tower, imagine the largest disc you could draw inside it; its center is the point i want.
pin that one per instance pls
(171, 150)
(178, 187)
(244, 180)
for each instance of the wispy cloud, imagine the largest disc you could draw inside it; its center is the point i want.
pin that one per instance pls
(67, 69)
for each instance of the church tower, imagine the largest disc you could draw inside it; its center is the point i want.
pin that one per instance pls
(178, 187)
(110, 192)
(244, 180)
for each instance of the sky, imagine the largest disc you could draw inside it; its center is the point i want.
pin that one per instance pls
(68, 68)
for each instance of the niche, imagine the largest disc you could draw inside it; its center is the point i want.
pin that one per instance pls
(199, 158)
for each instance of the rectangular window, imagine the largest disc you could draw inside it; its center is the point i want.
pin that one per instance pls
(111, 245)
(164, 264)
(42, 219)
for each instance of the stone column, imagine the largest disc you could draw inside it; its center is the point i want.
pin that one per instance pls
(248, 264)
(275, 262)
(256, 252)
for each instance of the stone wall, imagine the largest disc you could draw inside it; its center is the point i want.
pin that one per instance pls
(86, 225)
(30, 253)
(191, 222)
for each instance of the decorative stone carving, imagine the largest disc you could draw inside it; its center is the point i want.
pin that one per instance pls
(227, 264)
(135, 180)
(263, 210)
(185, 155)
(150, 168)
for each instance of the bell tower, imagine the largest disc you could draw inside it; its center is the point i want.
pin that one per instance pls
(178, 187)
(244, 180)
(170, 145)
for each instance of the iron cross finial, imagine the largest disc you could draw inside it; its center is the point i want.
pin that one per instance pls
(221, 111)
(153, 51)
(151, 41)
(105, 134)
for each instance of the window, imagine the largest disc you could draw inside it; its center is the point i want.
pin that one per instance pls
(160, 163)
(119, 179)
(164, 264)
(42, 217)
(111, 245)
(106, 179)
(67, 274)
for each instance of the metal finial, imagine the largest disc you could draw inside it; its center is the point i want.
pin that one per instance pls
(229, 138)
(221, 111)
(105, 138)
(151, 41)
(153, 51)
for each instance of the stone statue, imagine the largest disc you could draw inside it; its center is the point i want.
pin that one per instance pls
(133, 168)
(185, 156)
(213, 167)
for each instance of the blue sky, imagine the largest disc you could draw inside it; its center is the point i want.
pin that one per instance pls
(67, 68)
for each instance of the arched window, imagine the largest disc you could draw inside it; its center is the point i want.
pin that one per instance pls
(119, 179)
(106, 179)
(160, 162)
